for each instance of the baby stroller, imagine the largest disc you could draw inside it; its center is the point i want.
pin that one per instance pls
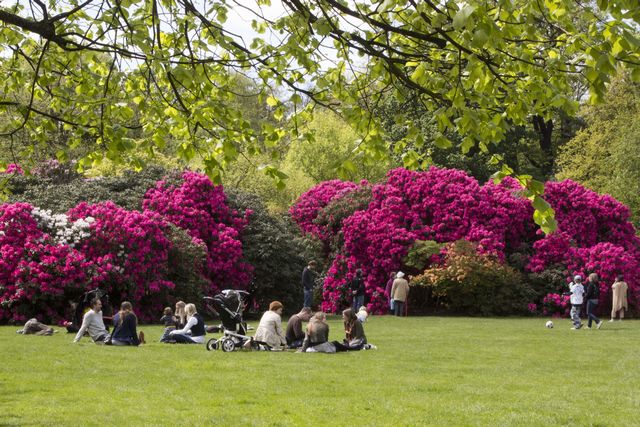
(229, 304)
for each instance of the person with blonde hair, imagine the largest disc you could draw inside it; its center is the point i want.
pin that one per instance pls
(269, 330)
(316, 339)
(193, 331)
(619, 299)
(180, 315)
(126, 322)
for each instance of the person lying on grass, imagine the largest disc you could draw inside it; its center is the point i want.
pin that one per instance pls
(93, 324)
(33, 327)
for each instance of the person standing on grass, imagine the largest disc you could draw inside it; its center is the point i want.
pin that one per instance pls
(93, 323)
(294, 333)
(357, 291)
(308, 279)
(387, 290)
(126, 322)
(591, 296)
(619, 300)
(193, 332)
(576, 291)
(399, 293)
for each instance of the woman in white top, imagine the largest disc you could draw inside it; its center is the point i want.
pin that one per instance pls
(270, 328)
(193, 332)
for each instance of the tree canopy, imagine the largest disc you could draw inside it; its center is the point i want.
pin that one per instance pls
(124, 76)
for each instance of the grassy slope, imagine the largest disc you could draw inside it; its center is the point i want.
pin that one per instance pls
(427, 371)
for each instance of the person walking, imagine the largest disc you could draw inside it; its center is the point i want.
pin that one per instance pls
(619, 299)
(399, 293)
(576, 290)
(357, 291)
(591, 296)
(387, 290)
(308, 279)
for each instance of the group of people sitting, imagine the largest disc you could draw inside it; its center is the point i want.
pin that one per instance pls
(315, 338)
(186, 326)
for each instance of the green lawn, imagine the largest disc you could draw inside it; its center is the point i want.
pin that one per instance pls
(426, 371)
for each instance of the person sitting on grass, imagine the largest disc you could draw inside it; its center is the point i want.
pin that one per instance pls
(93, 324)
(125, 322)
(167, 319)
(294, 334)
(269, 330)
(193, 332)
(355, 338)
(316, 340)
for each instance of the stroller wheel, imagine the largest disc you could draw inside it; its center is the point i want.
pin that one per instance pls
(228, 344)
(212, 344)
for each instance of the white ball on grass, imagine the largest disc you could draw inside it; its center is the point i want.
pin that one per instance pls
(549, 324)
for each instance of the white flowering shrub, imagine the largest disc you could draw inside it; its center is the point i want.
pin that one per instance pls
(59, 227)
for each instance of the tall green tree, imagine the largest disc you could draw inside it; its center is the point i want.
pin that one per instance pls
(604, 155)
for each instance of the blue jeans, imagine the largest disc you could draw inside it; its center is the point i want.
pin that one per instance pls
(591, 306)
(358, 301)
(308, 297)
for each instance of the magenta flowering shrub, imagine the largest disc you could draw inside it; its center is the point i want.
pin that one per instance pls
(309, 204)
(37, 275)
(186, 233)
(129, 251)
(445, 205)
(556, 305)
(201, 208)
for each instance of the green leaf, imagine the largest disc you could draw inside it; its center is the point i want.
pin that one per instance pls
(462, 16)
(272, 102)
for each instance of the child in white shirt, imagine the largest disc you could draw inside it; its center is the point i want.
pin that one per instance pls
(577, 293)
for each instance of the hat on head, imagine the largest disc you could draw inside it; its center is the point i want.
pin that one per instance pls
(577, 278)
(399, 275)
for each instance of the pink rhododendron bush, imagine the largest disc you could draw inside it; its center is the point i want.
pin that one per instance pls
(48, 260)
(444, 205)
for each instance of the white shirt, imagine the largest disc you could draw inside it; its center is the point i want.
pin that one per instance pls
(577, 293)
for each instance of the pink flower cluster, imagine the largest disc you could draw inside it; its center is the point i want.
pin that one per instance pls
(446, 205)
(201, 208)
(556, 305)
(126, 253)
(14, 169)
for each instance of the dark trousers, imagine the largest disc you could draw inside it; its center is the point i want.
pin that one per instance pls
(591, 306)
(183, 339)
(398, 307)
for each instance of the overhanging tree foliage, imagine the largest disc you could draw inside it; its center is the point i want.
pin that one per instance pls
(125, 75)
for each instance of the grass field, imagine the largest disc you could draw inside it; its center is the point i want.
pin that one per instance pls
(426, 371)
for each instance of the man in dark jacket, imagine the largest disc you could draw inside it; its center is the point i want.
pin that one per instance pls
(591, 296)
(308, 278)
(357, 290)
